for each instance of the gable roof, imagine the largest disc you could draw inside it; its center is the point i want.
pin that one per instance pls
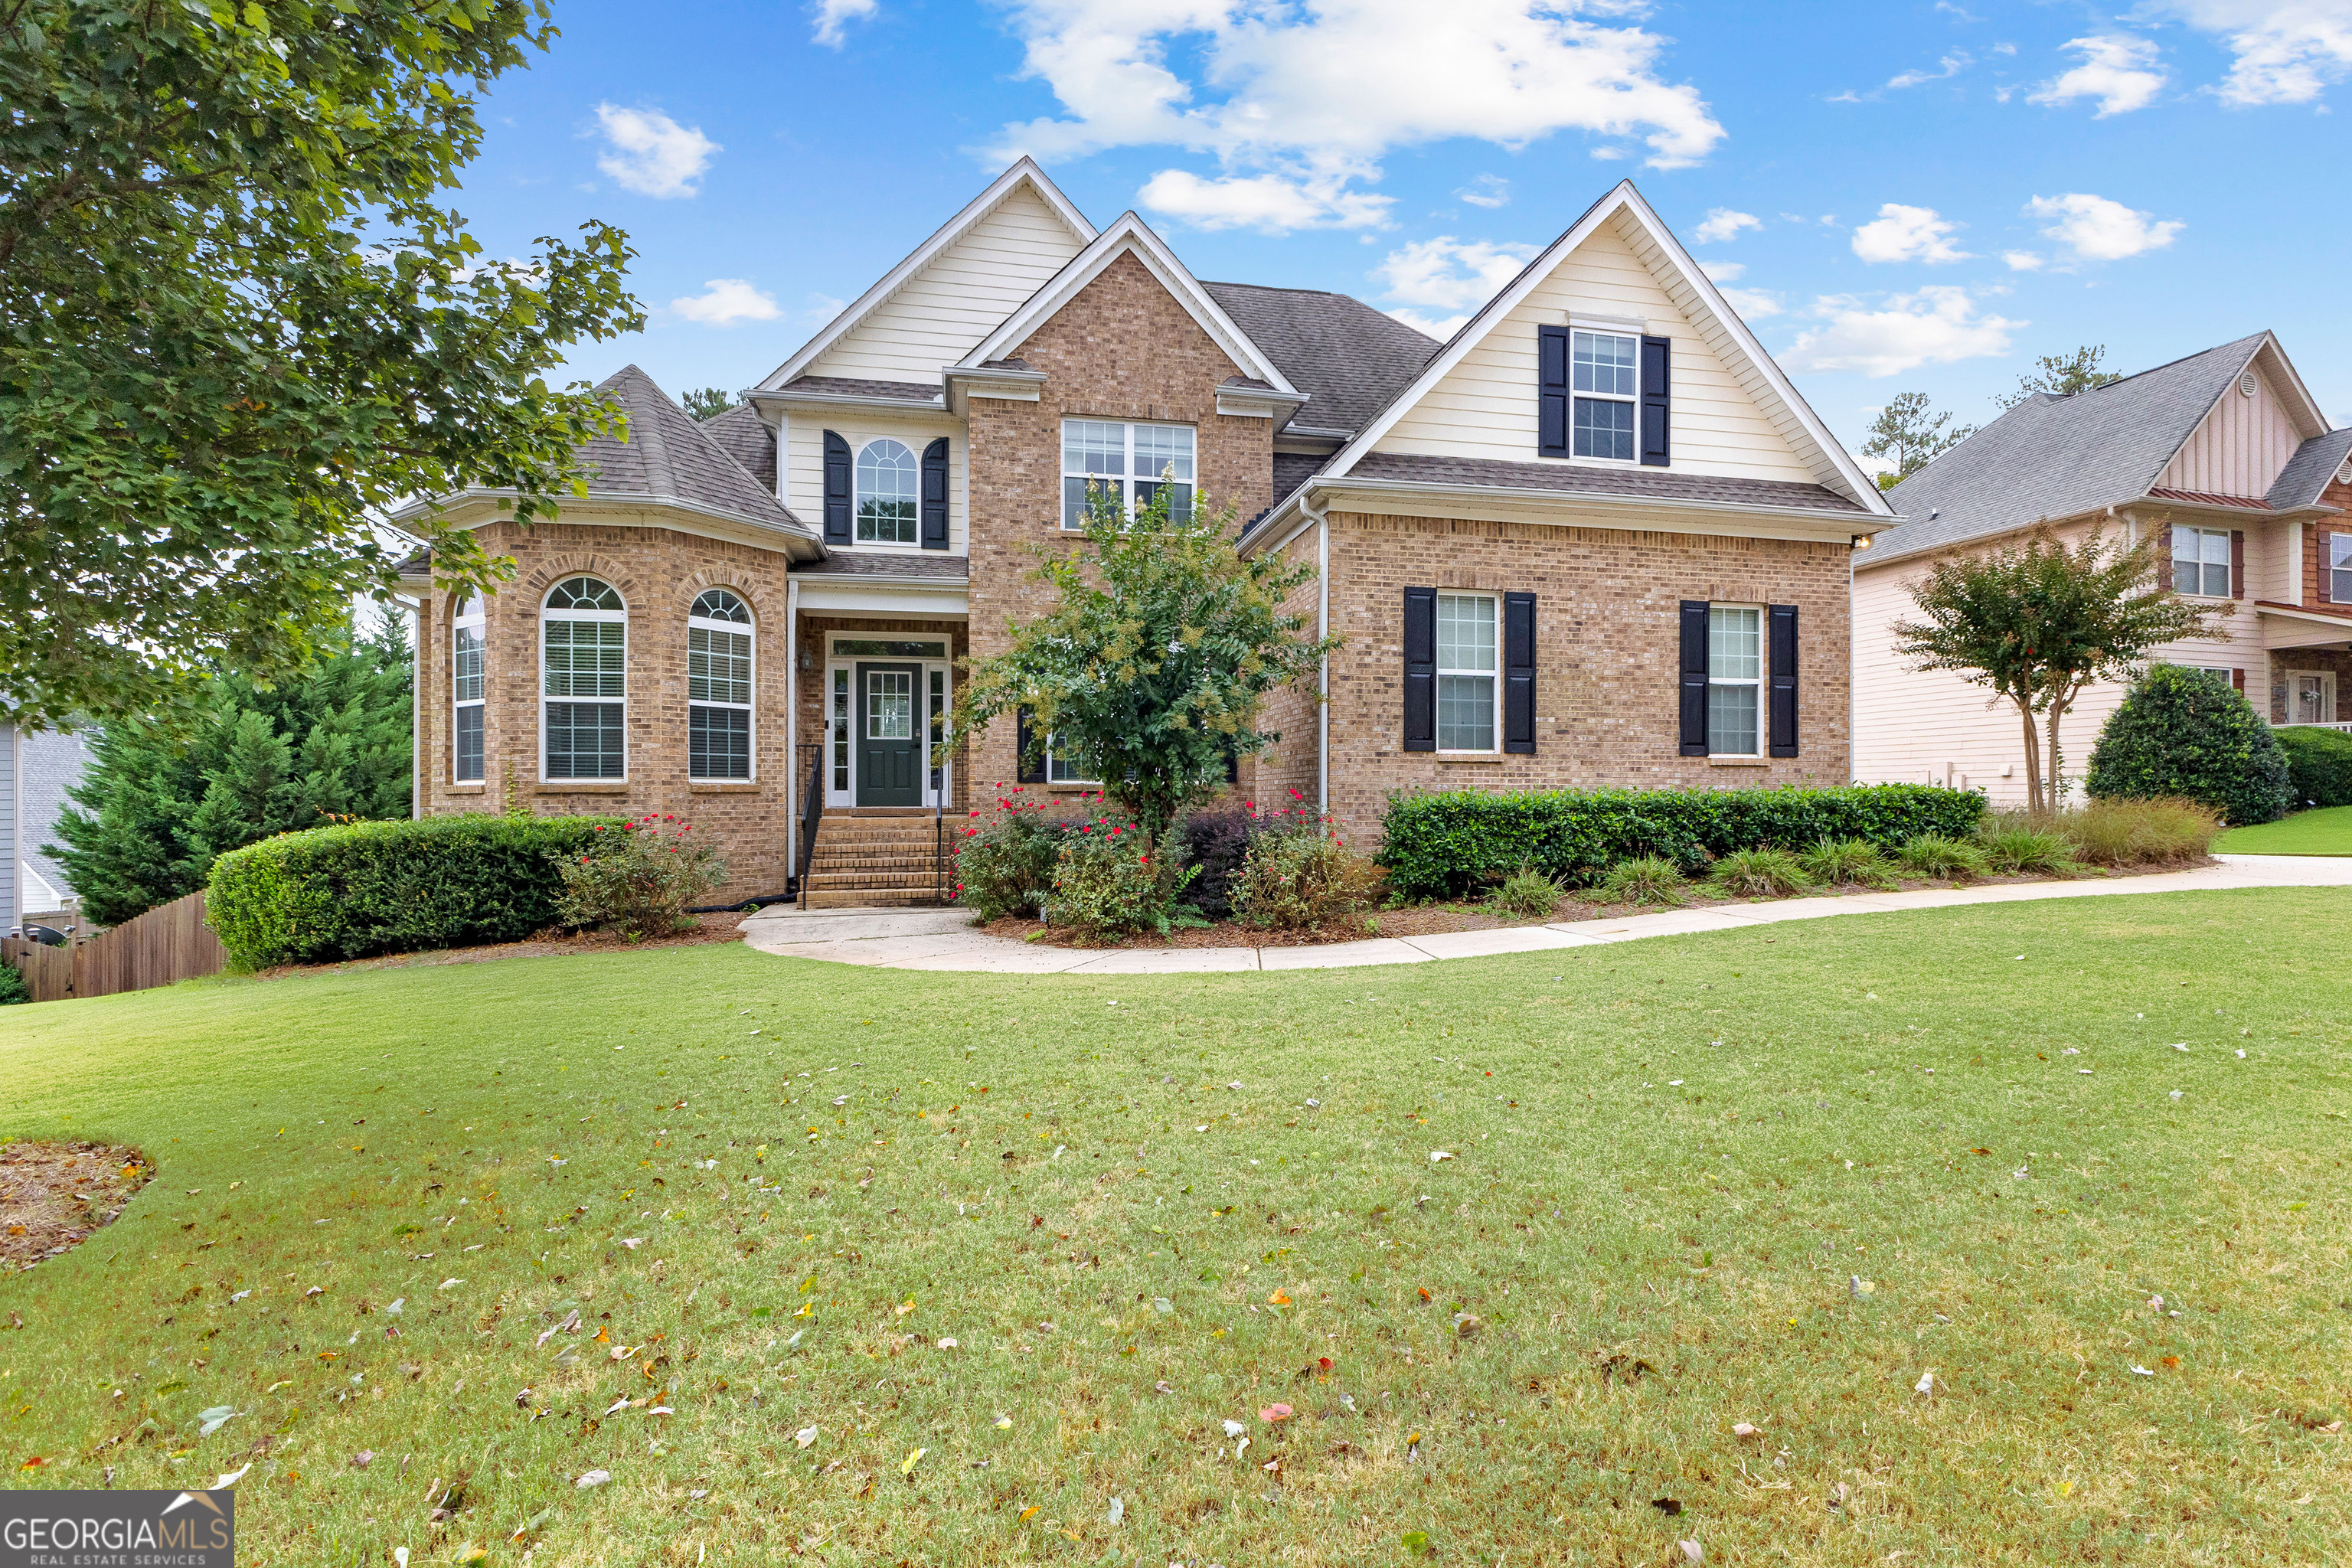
(2305, 479)
(668, 457)
(1130, 236)
(1024, 172)
(2053, 456)
(1701, 304)
(1348, 358)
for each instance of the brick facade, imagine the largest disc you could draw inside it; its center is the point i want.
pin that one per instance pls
(658, 573)
(816, 632)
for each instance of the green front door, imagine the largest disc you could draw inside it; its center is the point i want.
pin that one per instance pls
(889, 739)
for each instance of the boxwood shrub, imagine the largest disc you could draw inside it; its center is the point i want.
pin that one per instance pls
(2185, 734)
(2318, 765)
(357, 888)
(1448, 843)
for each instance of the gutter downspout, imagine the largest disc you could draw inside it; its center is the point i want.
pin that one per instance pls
(416, 704)
(1322, 630)
(791, 721)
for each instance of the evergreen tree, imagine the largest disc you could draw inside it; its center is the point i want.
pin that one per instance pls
(2062, 375)
(707, 401)
(153, 810)
(1910, 432)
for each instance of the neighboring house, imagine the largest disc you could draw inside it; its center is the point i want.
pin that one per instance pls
(36, 769)
(1595, 539)
(2224, 456)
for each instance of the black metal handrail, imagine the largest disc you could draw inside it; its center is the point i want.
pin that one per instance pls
(812, 815)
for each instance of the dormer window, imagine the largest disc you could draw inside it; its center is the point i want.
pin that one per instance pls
(1606, 375)
(1602, 395)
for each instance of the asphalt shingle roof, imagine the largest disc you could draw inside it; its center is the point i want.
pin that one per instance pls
(853, 386)
(1639, 484)
(668, 456)
(1350, 359)
(1292, 469)
(2060, 456)
(887, 563)
(745, 436)
(2307, 473)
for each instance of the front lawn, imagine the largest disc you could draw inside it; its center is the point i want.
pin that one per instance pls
(880, 1266)
(2327, 831)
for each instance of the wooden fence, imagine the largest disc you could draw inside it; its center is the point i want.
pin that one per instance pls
(169, 944)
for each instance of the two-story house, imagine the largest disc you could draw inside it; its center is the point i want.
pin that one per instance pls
(2223, 456)
(1596, 538)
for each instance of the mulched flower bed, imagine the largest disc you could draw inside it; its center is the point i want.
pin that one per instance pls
(54, 1195)
(720, 927)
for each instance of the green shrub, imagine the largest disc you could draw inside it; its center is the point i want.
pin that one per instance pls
(2017, 845)
(1644, 880)
(644, 884)
(1006, 856)
(364, 888)
(1847, 863)
(1940, 854)
(1110, 881)
(2184, 734)
(2318, 764)
(13, 988)
(1526, 892)
(1758, 874)
(2139, 832)
(1303, 878)
(1447, 843)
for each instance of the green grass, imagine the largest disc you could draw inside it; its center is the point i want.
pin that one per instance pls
(2327, 831)
(1670, 1157)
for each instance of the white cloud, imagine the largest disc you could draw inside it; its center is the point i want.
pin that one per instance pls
(1908, 233)
(1753, 304)
(1937, 325)
(725, 301)
(2119, 69)
(1316, 94)
(1721, 224)
(1952, 64)
(2287, 51)
(1486, 191)
(1450, 274)
(1271, 203)
(1441, 328)
(1724, 271)
(2024, 260)
(2097, 230)
(651, 154)
(833, 18)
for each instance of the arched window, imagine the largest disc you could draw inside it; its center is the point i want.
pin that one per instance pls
(465, 689)
(584, 647)
(886, 510)
(719, 687)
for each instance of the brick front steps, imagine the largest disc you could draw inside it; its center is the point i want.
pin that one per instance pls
(874, 860)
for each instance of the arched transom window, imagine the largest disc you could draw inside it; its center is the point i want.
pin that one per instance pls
(886, 489)
(467, 679)
(718, 686)
(584, 647)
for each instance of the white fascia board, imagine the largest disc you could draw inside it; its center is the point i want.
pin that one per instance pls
(866, 599)
(1130, 235)
(764, 401)
(1024, 171)
(1012, 385)
(630, 509)
(1249, 402)
(2299, 394)
(1408, 497)
(1712, 311)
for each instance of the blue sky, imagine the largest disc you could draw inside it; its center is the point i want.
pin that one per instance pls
(1909, 197)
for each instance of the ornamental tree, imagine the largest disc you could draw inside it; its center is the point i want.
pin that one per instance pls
(235, 323)
(2040, 621)
(1151, 668)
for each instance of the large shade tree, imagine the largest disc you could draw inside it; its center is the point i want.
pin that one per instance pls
(236, 321)
(2042, 620)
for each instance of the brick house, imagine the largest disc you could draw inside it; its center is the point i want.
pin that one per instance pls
(2224, 456)
(1596, 538)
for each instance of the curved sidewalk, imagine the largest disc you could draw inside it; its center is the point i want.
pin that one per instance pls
(941, 939)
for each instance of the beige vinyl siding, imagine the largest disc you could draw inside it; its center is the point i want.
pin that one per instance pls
(1485, 407)
(938, 315)
(2239, 448)
(802, 471)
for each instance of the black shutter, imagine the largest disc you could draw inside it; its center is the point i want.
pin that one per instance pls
(1693, 690)
(1657, 388)
(836, 489)
(935, 495)
(1519, 674)
(1421, 669)
(1029, 758)
(1552, 391)
(1781, 648)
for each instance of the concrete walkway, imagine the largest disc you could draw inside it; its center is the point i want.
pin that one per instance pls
(943, 939)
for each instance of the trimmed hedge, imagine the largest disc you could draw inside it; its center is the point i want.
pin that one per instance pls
(359, 889)
(1447, 843)
(2185, 734)
(2318, 765)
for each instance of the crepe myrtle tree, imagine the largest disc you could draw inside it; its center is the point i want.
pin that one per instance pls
(237, 321)
(2041, 620)
(1151, 667)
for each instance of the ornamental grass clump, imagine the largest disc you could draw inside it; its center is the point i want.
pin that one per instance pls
(642, 885)
(1758, 874)
(1644, 880)
(1933, 855)
(1528, 892)
(2141, 832)
(2016, 846)
(1847, 863)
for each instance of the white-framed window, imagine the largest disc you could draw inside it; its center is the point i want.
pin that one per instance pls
(1469, 688)
(2339, 568)
(1605, 379)
(583, 660)
(888, 486)
(1735, 679)
(1131, 462)
(2201, 561)
(468, 676)
(718, 688)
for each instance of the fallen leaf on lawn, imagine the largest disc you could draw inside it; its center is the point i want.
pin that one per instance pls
(527, 1525)
(1425, 1295)
(315, 1290)
(446, 1283)
(632, 1242)
(1670, 1507)
(1857, 1287)
(1027, 1514)
(903, 1308)
(1415, 1542)
(570, 1323)
(363, 1458)
(1277, 1299)
(593, 1478)
(913, 1458)
(806, 1435)
(1274, 1413)
(1240, 1448)
(400, 1557)
(2138, 1371)
(1323, 1361)
(1116, 1511)
(398, 1303)
(1161, 1387)
(1437, 1154)
(212, 1420)
(1691, 1552)
(2171, 1360)
(229, 1478)
(1001, 1422)
(947, 1345)
(473, 1554)
(1235, 1428)
(1466, 1324)
(1743, 1429)
(1927, 1384)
